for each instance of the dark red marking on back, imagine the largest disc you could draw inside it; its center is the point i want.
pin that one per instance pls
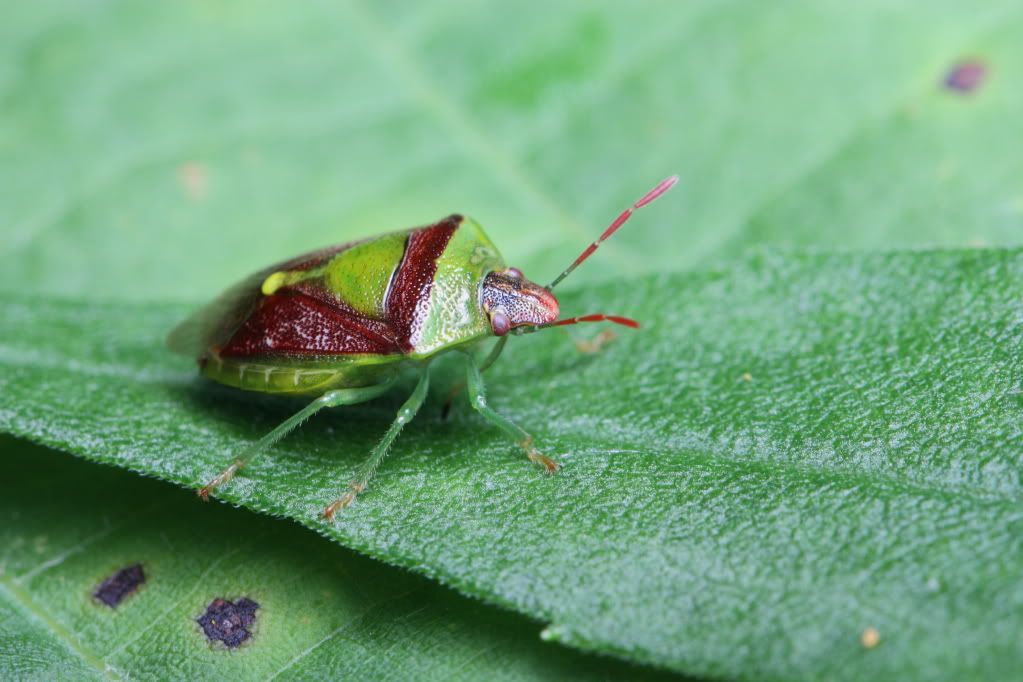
(409, 295)
(293, 323)
(316, 290)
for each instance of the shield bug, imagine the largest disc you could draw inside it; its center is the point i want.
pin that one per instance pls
(338, 325)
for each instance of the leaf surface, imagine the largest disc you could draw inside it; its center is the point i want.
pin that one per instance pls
(323, 611)
(793, 450)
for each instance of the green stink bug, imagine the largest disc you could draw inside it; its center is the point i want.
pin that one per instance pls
(339, 324)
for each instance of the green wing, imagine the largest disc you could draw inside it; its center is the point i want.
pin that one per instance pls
(215, 323)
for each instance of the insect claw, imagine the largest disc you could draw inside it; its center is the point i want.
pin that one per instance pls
(343, 502)
(338, 505)
(220, 479)
(549, 465)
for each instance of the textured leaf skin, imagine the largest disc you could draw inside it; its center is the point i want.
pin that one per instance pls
(139, 175)
(324, 612)
(791, 450)
(790, 123)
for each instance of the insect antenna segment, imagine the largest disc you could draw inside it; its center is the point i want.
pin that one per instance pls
(623, 218)
(617, 319)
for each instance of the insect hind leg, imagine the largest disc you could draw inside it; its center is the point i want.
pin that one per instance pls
(341, 396)
(405, 414)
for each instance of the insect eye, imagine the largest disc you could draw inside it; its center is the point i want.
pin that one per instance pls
(514, 273)
(500, 323)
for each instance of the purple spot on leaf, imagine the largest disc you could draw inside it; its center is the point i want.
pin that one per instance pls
(120, 585)
(966, 76)
(228, 622)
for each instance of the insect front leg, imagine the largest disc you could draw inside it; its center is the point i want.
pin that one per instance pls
(478, 399)
(343, 396)
(369, 467)
(597, 343)
(491, 358)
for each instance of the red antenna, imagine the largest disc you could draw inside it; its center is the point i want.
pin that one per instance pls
(624, 321)
(663, 187)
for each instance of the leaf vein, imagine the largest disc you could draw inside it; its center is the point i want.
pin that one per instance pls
(55, 628)
(341, 628)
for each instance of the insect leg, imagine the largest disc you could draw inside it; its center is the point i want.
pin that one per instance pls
(491, 358)
(369, 467)
(478, 399)
(342, 396)
(494, 354)
(597, 343)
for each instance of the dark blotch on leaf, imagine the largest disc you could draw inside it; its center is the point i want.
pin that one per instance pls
(966, 76)
(117, 587)
(228, 622)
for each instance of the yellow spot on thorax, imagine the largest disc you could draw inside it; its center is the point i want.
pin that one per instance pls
(274, 282)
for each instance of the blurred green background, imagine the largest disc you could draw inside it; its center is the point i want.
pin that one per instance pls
(162, 150)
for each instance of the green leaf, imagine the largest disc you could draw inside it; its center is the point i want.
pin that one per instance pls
(324, 612)
(702, 521)
(791, 451)
(166, 149)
